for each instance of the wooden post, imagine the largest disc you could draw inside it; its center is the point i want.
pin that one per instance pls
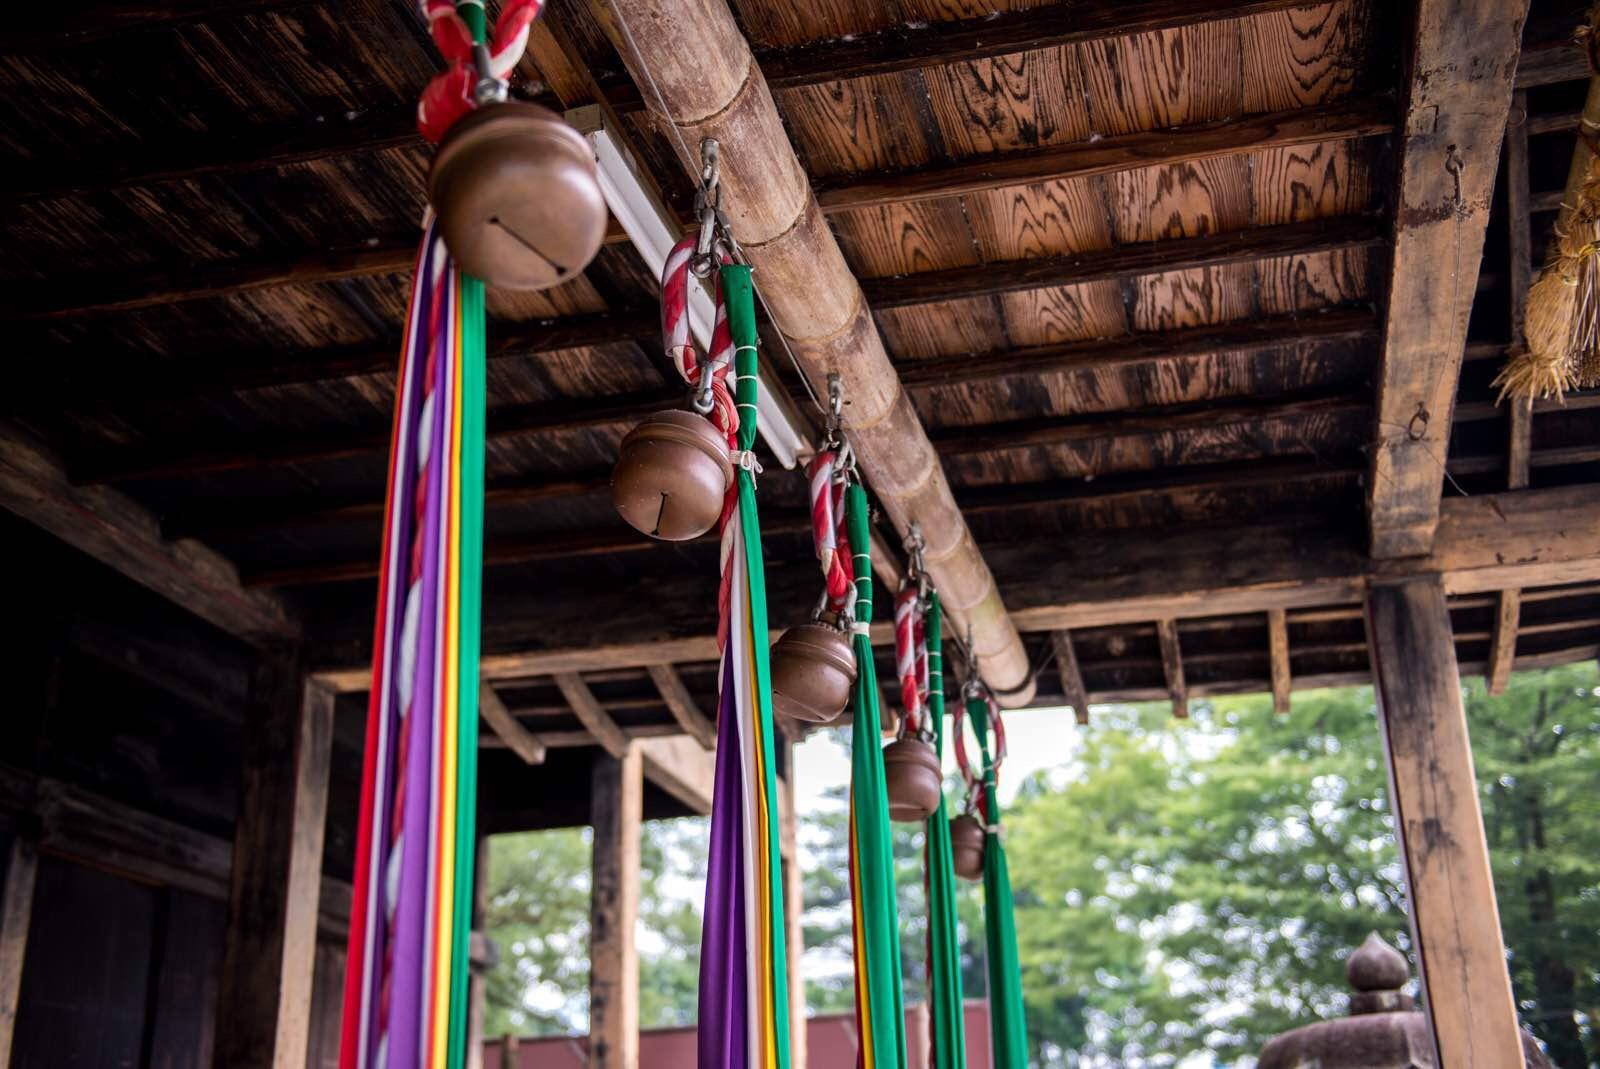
(1439, 826)
(618, 811)
(16, 914)
(1278, 651)
(1172, 667)
(264, 996)
(1072, 687)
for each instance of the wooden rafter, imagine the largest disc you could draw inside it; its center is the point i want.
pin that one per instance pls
(1172, 666)
(1278, 654)
(1464, 58)
(518, 739)
(1072, 687)
(121, 534)
(587, 708)
(681, 704)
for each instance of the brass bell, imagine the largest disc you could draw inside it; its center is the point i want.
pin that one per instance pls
(517, 196)
(671, 476)
(911, 779)
(813, 669)
(966, 846)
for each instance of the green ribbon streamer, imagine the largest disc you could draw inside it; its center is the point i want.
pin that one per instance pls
(1008, 1032)
(944, 941)
(473, 400)
(738, 293)
(878, 952)
(472, 13)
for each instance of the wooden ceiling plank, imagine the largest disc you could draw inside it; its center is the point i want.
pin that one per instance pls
(120, 533)
(1338, 121)
(681, 704)
(1278, 654)
(524, 743)
(1072, 687)
(1464, 58)
(587, 708)
(1129, 261)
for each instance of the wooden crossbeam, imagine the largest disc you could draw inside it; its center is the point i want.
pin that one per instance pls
(1278, 653)
(16, 916)
(51, 26)
(683, 768)
(592, 714)
(1172, 667)
(1464, 58)
(1127, 261)
(682, 706)
(1338, 121)
(518, 739)
(1072, 687)
(121, 534)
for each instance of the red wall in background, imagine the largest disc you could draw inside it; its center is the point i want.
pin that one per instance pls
(830, 1044)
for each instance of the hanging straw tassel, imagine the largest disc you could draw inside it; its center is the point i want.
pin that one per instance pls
(1562, 330)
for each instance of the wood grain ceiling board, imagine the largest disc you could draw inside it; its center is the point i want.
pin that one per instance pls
(1020, 101)
(1304, 55)
(945, 328)
(1040, 220)
(859, 125)
(903, 239)
(774, 25)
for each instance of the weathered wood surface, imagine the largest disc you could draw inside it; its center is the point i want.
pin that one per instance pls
(1072, 687)
(524, 743)
(592, 714)
(1464, 58)
(16, 912)
(264, 993)
(1172, 667)
(1439, 826)
(121, 534)
(616, 801)
(681, 767)
(1278, 653)
(682, 705)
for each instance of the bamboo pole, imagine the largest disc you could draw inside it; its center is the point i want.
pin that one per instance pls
(692, 53)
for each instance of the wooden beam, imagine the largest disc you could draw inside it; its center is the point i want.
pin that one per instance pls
(1143, 349)
(682, 705)
(1439, 827)
(1172, 667)
(592, 714)
(1551, 63)
(1127, 261)
(1503, 640)
(617, 802)
(581, 738)
(1077, 694)
(142, 379)
(1464, 57)
(121, 534)
(16, 917)
(1338, 121)
(1278, 652)
(522, 742)
(678, 765)
(264, 995)
(51, 27)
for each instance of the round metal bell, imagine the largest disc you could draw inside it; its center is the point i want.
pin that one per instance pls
(966, 846)
(517, 196)
(813, 669)
(671, 476)
(911, 779)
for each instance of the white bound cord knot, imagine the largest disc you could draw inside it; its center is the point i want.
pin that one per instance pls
(745, 459)
(861, 628)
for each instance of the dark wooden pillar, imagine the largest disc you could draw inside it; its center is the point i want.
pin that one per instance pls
(618, 812)
(1433, 791)
(264, 997)
(16, 917)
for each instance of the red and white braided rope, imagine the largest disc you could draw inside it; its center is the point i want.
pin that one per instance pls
(449, 95)
(828, 530)
(911, 653)
(680, 345)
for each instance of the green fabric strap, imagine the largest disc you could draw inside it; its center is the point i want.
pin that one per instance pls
(471, 12)
(1008, 1031)
(878, 917)
(739, 298)
(944, 941)
(473, 398)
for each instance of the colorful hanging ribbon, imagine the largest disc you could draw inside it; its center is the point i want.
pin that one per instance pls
(947, 1039)
(880, 1010)
(744, 991)
(405, 1001)
(1008, 1033)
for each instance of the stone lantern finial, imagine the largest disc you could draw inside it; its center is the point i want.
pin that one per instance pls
(1377, 972)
